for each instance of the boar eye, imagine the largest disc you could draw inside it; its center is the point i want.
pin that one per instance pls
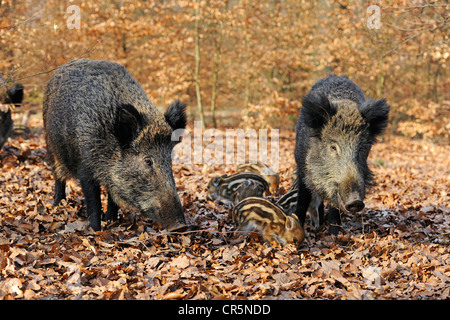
(148, 162)
(333, 148)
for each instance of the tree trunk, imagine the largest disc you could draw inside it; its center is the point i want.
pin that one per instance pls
(247, 64)
(216, 67)
(214, 83)
(197, 64)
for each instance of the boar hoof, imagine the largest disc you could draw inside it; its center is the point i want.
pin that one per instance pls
(334, 229)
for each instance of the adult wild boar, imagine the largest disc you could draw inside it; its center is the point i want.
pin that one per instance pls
(8, 97)
(335, 131)
(101, 128)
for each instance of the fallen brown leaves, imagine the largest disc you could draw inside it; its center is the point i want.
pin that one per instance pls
(395, 249)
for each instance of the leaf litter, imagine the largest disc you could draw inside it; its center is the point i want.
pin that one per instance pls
(395, 249)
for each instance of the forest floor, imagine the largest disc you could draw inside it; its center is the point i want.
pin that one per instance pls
(396, 248)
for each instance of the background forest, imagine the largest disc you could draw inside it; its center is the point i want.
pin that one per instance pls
(253, 58)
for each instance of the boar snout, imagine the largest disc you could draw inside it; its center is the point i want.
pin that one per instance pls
(168, 213)
(354, 203)
(351, 190)
(354, 206)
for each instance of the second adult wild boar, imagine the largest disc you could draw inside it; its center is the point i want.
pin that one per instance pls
(336, 129)
(101, 128)
(8, 97)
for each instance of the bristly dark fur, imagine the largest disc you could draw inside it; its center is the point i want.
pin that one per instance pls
(129, 122)
(12, 95)
(376, 113)
(101, 128)
(335, 132)
(176, 115)
(317, 110)
(16, 93)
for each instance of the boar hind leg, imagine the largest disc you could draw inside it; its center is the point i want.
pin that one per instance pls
(334, 216)
(60, 191)
(303, 201)
(91, 191)
(113, 209)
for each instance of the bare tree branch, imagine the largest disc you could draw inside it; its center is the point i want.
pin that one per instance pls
(428, 5)
(53, 69)
(412, 37)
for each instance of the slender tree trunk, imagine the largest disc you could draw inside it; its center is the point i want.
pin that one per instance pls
(214, 83)
(247, 65)
(435, 82)
(381, 78)
(216, 67)
(197, 64)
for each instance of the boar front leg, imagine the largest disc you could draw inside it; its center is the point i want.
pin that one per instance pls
(334, 216)
(113, 209)
(316, 210)
(91, 191)
(60, 191)
(303, 201)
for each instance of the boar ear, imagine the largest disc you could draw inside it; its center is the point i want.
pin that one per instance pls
(376, 114)
(290, 223)
(317, 110)
(176, 115)
(127, 124)
(15, 93)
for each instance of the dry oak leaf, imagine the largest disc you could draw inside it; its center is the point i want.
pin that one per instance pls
(229, 254)
(180, 262)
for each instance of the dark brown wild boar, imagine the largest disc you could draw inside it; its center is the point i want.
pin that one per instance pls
(101, 128)
(12, 96)
(335, 131)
